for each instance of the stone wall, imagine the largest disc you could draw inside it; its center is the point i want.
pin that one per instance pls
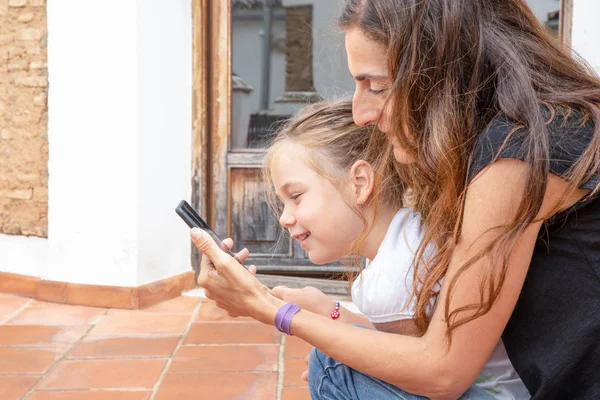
(23, 118)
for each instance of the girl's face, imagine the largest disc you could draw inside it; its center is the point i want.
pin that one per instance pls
(314, 210)
(368, 64)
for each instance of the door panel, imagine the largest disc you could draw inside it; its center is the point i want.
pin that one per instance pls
(252, 223)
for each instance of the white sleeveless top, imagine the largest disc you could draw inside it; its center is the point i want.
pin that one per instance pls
(382, 292)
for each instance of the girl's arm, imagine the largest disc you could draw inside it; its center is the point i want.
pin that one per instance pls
(313, 300)
(425, 365)
(347, 316)
(317, 302)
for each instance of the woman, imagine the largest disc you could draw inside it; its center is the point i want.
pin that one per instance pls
(496, 128)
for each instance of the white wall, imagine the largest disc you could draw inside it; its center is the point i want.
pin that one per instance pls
(164, 136)
(119, 135)
(92, 103)
(585, 37)
(23, 255)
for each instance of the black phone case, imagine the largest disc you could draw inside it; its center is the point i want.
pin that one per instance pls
(193, 220)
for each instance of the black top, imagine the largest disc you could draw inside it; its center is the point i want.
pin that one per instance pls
(553, 335)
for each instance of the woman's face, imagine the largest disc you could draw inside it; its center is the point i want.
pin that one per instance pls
(368, 64)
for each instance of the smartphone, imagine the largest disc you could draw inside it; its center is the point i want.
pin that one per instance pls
(193, 220)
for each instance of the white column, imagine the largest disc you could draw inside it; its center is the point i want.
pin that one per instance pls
(164, 135)
(586, 31)
(119, 135)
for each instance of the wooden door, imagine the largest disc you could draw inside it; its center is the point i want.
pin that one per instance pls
(228, 187)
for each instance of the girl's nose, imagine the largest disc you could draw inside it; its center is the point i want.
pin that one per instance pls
(286, 219)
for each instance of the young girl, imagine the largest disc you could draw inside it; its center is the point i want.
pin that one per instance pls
(322, 168)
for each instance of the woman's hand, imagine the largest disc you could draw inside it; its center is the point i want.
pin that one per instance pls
(308, 298)
(229, 284)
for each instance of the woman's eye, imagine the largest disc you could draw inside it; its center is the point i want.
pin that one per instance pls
(295, 196)
(376, 91)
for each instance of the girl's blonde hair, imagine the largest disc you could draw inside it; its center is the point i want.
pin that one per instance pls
(332, 144)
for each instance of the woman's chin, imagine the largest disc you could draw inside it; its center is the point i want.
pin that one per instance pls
(402, 156)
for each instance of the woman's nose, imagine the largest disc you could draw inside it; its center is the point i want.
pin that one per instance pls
(364, 113)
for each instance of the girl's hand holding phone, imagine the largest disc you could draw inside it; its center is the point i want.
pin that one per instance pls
(229, 284)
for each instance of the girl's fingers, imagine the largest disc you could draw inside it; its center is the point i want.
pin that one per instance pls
(279, 292)
(243, 254)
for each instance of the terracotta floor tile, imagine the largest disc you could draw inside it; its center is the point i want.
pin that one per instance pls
(90, 395)
(176, 305)
(295, 394)
(225, 359)
(104, 374)
(210, 312)
(15, 387)
(141, 323)
(9, 304)
(232, 333)
(41, 313)
(40, 335)
(26, 361)
(94, 347)
(226, 386)
(296, 347)
(293, 369)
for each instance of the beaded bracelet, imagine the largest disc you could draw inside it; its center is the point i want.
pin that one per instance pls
(336, 311)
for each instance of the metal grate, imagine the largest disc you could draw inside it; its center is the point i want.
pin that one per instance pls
(262, 128)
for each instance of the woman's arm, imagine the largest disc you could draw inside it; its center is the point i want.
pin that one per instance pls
(425, 365)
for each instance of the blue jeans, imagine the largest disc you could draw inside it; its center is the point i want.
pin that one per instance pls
(329, 379)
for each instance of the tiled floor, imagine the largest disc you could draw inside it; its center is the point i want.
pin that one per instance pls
(185, 348)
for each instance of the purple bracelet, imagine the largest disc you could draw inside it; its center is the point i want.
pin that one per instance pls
(284, 315)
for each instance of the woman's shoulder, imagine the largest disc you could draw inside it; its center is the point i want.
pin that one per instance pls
(570, 131)
(562, 123)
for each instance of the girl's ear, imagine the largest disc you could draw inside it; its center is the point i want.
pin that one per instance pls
(362, 180)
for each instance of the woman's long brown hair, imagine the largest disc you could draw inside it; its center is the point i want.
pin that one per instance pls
(454, 66)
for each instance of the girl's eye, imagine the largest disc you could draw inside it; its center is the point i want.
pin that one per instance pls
(295, 196)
